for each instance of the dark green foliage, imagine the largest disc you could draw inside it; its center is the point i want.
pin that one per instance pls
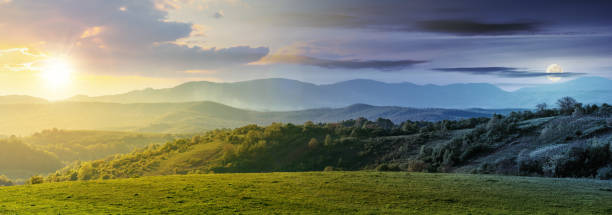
(388, 168)
(348, 145)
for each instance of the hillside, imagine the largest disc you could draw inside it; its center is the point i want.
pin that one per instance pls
(72, 145)
(18, 160)
(190, 117)
(313, 193)
(46, 151)
(544, 143)
(284, 94)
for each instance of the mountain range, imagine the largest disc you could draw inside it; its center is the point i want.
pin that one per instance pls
(192, 117)
(284, 94)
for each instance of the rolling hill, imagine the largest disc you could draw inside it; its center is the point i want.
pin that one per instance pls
(546, 143)
(284, 94)
(192, 117)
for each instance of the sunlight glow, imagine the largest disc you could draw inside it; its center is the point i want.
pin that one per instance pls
(57, 72)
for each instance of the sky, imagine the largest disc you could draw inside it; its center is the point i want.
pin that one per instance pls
(57, 49)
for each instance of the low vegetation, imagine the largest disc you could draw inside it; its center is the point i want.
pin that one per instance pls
(313, 193)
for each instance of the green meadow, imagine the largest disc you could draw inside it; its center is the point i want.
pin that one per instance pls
(360, 192)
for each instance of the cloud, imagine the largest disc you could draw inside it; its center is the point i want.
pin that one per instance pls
(218, 14)
(465, 17)
(467, 27)
(104, 39)
(19, 59)
(506, 72)
(384, 65)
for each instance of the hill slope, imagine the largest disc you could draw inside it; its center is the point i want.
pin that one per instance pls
(546, 143)
(283, 94)
(313, 193)
(18, 160)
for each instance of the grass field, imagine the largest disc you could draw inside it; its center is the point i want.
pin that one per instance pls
(314, 192)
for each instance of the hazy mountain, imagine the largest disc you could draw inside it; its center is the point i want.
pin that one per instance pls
(190, 116)
(586, 90)
(284, 94)
(20, 99)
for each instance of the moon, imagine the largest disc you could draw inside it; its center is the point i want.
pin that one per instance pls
(555, 69)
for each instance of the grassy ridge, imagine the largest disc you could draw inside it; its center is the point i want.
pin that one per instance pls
(314, 192)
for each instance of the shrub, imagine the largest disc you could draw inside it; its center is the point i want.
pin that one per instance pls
(387, 168)
(328, 169)
(5, 181)
(36, 180)
(313, 143)
(417, 166)
(604, 173)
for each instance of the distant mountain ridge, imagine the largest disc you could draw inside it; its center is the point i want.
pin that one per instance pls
(21, 99)
(285, 94)
(190, 117)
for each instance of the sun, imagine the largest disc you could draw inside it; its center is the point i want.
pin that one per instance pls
(57, 72)
(556, 70)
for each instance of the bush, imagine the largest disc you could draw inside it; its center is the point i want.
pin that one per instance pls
(5, 181)
(388, 168)
(566, 160)
(36, 180)
(604, 173)
(328, 169)
(417, 166)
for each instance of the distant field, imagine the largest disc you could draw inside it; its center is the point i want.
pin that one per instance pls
(314, 192)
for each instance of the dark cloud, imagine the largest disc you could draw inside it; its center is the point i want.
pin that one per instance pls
(384, 65)
(463, 17)
(467, 27)
(506, 72)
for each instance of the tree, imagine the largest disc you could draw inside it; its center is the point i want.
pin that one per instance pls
(328, 140)
(313, 143)
(36, 180)
(566, 104)
(5, 181)
(541, 107)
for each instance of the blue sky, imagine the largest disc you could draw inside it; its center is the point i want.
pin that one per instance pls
(115, 45)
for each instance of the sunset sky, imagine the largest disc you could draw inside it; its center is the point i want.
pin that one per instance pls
(57, 49)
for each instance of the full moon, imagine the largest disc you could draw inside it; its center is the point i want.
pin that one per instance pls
(56, 72)
(555, 69)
